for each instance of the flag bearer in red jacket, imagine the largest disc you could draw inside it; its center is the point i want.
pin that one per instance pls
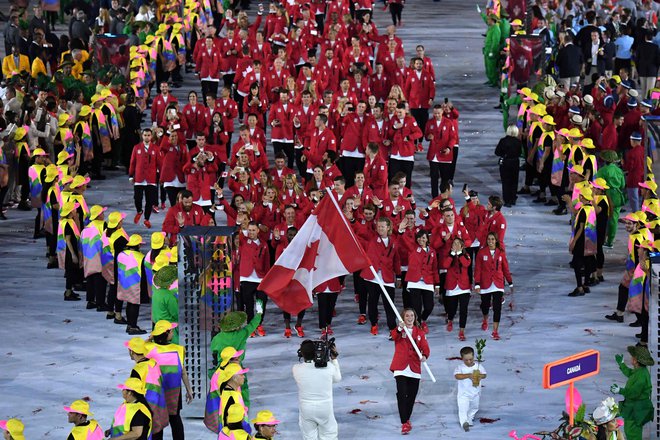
(143, 172)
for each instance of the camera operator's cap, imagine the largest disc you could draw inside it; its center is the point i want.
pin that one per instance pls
(229, 353)
(63, 156)
(587, 143)
(136, 345)
(163, 326)
(265, 417)
(649, 184)
(473, 193)
(161, 261)
(231, 370)
(14, 427)
(233, 321)
(79, 407)
(20, 133)
(632, 102)
(636, 136)
(547, 119)
(157, 240)
(95, 211)
(647, 103)
(588, 99)
(39, 152)
(133, 384)
(84, 111)
(63, 119)
(626, 84)
(114, 218)
(600, 183)
(51, 172)
(79, 181)
(235, 413)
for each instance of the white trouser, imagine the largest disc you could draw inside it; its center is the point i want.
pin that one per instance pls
(467, 408)
(317, 421)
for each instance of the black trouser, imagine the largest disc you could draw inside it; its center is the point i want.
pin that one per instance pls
(176, 425)
(406, 166)
(349, 166)
(443, 291)
(422, 302)
(239, 102)
(302, 166)
(454, 159)
(211, 88)
(375, 293)
(440, 173)
(421, 116)
(320, 19)
(472, 251)
(150, 193)
(327, 302)
(172, 192)
(23, 174)
(360, 286)
(162, 193)
(287, 148)
(406, 393)
(248, 292)
(72, 271)
(405, 294)
(452, 304)
(509, 172)
(497, 304)
(132, 313)
(228, 80)
(644, 318)
(395, 10)
(299, 318)
(37, 222)
(582, 265)
(545, 176)
(113, 302)
(530, 174)
(622, 300)
(558, 192)
(96, 287)
(600, 241)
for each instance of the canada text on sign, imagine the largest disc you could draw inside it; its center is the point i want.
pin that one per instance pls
(571, 369)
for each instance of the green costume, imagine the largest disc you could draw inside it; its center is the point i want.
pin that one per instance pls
(636, 408)
(616, 180)
(492, 54)
(236, 338)
(164, 300)
(505, 32)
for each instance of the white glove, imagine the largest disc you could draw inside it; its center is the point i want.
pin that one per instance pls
(259, 307)
(478, 9)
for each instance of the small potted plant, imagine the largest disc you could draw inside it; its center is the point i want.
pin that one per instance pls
(479, 344)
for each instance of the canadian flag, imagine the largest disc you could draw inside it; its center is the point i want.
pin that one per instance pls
(324, 248)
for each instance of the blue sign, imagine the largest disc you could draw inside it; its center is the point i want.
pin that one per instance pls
(572, 369)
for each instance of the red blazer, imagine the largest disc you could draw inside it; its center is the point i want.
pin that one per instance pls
(254, 257)
(418, 91)
(365, 231)
(159, 105)
(375, 175)
(268, 216)
(489, 269)
(257, 156)
(171, 224)
(444, 138)
(319, 143)
(275, 81)
(283, 131)
(365, 197)
(441, 238)
(403, 138)
(404, 353)
(380, 86)
(298, 201)
(495, 223)
(250, 77)
(195, 120)
(277, 178)
(173, 159)
(229, 110)
(377, 134)
(305, 126)
(208, 63)
(423, 266)
(387, 210)
(259, 109)
(144, 165)
(200, 180)
(457, 270)
(238, 188)
(351, 132)
(473, 218)
(384, 259)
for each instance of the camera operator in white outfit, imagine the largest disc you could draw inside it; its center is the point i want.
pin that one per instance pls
(317, 418)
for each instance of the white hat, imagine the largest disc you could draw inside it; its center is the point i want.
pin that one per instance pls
(634, 93)
(606, 411)
(588, 99)
(576, 119)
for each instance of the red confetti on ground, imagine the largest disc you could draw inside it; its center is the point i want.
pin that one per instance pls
(487, 420)
(87, 399)
(364, 377)
(355, 411)
(591, 332)
(455, 358)
(367, 401)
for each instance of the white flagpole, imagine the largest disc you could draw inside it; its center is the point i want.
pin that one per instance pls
(379, 280)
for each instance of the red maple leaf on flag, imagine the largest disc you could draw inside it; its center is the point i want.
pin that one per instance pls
(309, 258)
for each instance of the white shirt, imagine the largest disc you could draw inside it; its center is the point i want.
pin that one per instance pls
(315, 384)
(465, 387)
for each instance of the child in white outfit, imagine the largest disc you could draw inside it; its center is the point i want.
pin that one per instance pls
(469, 387)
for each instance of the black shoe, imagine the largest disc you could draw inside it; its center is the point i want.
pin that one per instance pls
(614, 317)
(523, 191)
(560, 211)
(508, 205)
(135, 331)
(3, 216)
(576, 292)
(91, 305)
(52, 265)
(79, 287)
(24, 206)
(639, 335)
(601, 278)
(38, 235)
(498, 107)
(591, 282)
(635, 324)
(110, 315)
(71, 297)
(102, 308)
(551, 202)
(586, 289)
(539, 200)
(536, 193)
(121, 321)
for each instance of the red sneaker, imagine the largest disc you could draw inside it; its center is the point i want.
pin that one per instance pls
(461, 335)
(137, 217)
(450, 326)
(356, 298)
(147, 223)
(254, 334)
(334, 313)
(287, 332)
(162, 206)
(330, 332)
(495, 335)
(324, 332)
(299, 330)
(425, 328)
(405, 428)
(374, 329)
(362, 319)
(261, 331)
(155, 209)
(484, 324)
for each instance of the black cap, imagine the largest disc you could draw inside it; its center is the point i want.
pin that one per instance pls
(473, 193)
